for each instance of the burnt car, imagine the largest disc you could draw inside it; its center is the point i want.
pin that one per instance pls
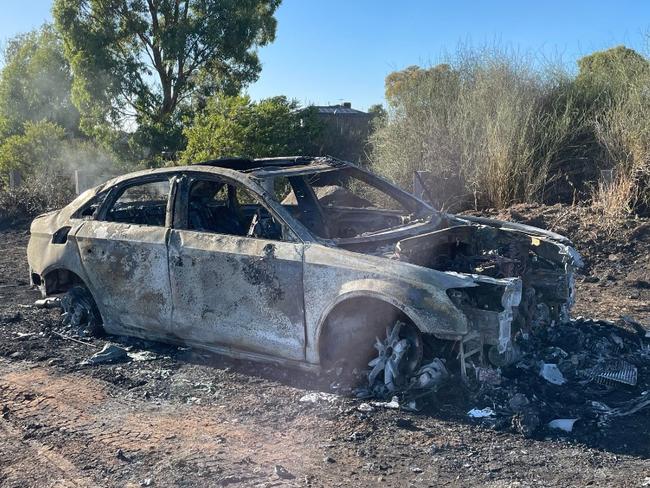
(300, 260)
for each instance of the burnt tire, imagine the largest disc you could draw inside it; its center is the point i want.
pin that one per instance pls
(80, 311)
(349, 341)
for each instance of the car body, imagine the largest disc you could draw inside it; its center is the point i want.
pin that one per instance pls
(293, 259)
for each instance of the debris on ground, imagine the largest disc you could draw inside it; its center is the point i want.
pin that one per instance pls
(393, 404)
(282, 472)
(110, 353)
(318, 397)
(585, 370)
(476, 413)
(49, 302)
(143, 356)
(562, 424)
(551, 373)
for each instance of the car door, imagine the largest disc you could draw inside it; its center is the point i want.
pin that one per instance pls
(124, 255)
(233, 290)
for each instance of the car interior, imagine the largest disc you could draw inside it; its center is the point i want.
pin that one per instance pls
(214, 206)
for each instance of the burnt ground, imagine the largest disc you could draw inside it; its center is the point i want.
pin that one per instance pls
(185, 418)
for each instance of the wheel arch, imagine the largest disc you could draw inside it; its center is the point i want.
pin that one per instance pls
(60, 279)
(384, 309)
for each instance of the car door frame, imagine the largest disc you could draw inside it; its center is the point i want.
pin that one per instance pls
(111, 322)
(180, 224)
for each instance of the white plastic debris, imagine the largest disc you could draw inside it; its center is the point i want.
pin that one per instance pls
(475, 413)
(365, 407)
(109, 354)
(562, 424)
(552, 374)
(394, 403)
(49, 302)
(317, 397)
(143, 356)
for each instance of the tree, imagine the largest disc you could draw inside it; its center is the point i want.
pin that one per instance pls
(614, 68)
(35, 83)
(237, 126)
(399, 83)
(146, 59)
(606, 77)
(377, 111)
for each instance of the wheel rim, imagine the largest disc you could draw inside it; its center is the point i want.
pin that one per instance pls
(398, 356)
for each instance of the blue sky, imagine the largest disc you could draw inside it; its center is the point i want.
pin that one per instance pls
(327, 51)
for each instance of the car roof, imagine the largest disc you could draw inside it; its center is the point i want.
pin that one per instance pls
(264, 167)
(242, 168)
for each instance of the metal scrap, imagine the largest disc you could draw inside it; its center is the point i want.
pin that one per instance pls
(618, 371)
(551, 373)
(562, 424)
(109, 354)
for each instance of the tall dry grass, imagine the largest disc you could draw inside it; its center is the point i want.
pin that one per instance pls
(623, 130)
(487, 122)
(495, 129)
(38, 194)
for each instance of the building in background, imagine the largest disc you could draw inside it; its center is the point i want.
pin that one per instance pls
(345, 132)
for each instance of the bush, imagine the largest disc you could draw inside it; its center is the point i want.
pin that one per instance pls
(36, 195)
(622, 125)
(237, 126)
(37, 148)
(487, 122)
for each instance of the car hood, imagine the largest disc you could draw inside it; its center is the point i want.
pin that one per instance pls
(503, 224)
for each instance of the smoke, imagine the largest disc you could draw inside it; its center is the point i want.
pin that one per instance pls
(89, 164)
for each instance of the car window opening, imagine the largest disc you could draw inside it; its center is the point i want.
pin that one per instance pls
(143, 204)
(214, 206)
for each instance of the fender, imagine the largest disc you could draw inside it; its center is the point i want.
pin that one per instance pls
(430, 310)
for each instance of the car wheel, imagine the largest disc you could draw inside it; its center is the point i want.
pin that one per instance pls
(80, 311)
(399, 356)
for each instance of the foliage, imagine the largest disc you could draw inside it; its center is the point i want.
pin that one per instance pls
(44, 151)
(622, 125)
(494, 129)
(35, 83)
(237, 126)
(145, 60)
(608, 73)
(379, 114)
(39, 193)
(486, 124)
(38, 147)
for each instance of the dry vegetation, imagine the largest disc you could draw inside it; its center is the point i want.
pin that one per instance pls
(37, 194)
(495, 129)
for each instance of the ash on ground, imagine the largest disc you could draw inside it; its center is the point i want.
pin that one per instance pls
(568, 378)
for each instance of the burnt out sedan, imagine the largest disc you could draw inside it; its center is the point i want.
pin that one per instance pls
(302, 261)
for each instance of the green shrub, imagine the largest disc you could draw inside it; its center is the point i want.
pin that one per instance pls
(237, 126)
(37, 148)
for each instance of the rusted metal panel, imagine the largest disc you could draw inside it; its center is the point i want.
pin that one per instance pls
(237, 291)
(127, 272)
(333, 275)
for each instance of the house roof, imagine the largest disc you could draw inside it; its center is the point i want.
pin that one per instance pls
(338, 110)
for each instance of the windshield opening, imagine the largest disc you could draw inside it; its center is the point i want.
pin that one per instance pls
(347, 203)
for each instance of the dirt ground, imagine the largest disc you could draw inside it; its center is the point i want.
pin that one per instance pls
(185, 418)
